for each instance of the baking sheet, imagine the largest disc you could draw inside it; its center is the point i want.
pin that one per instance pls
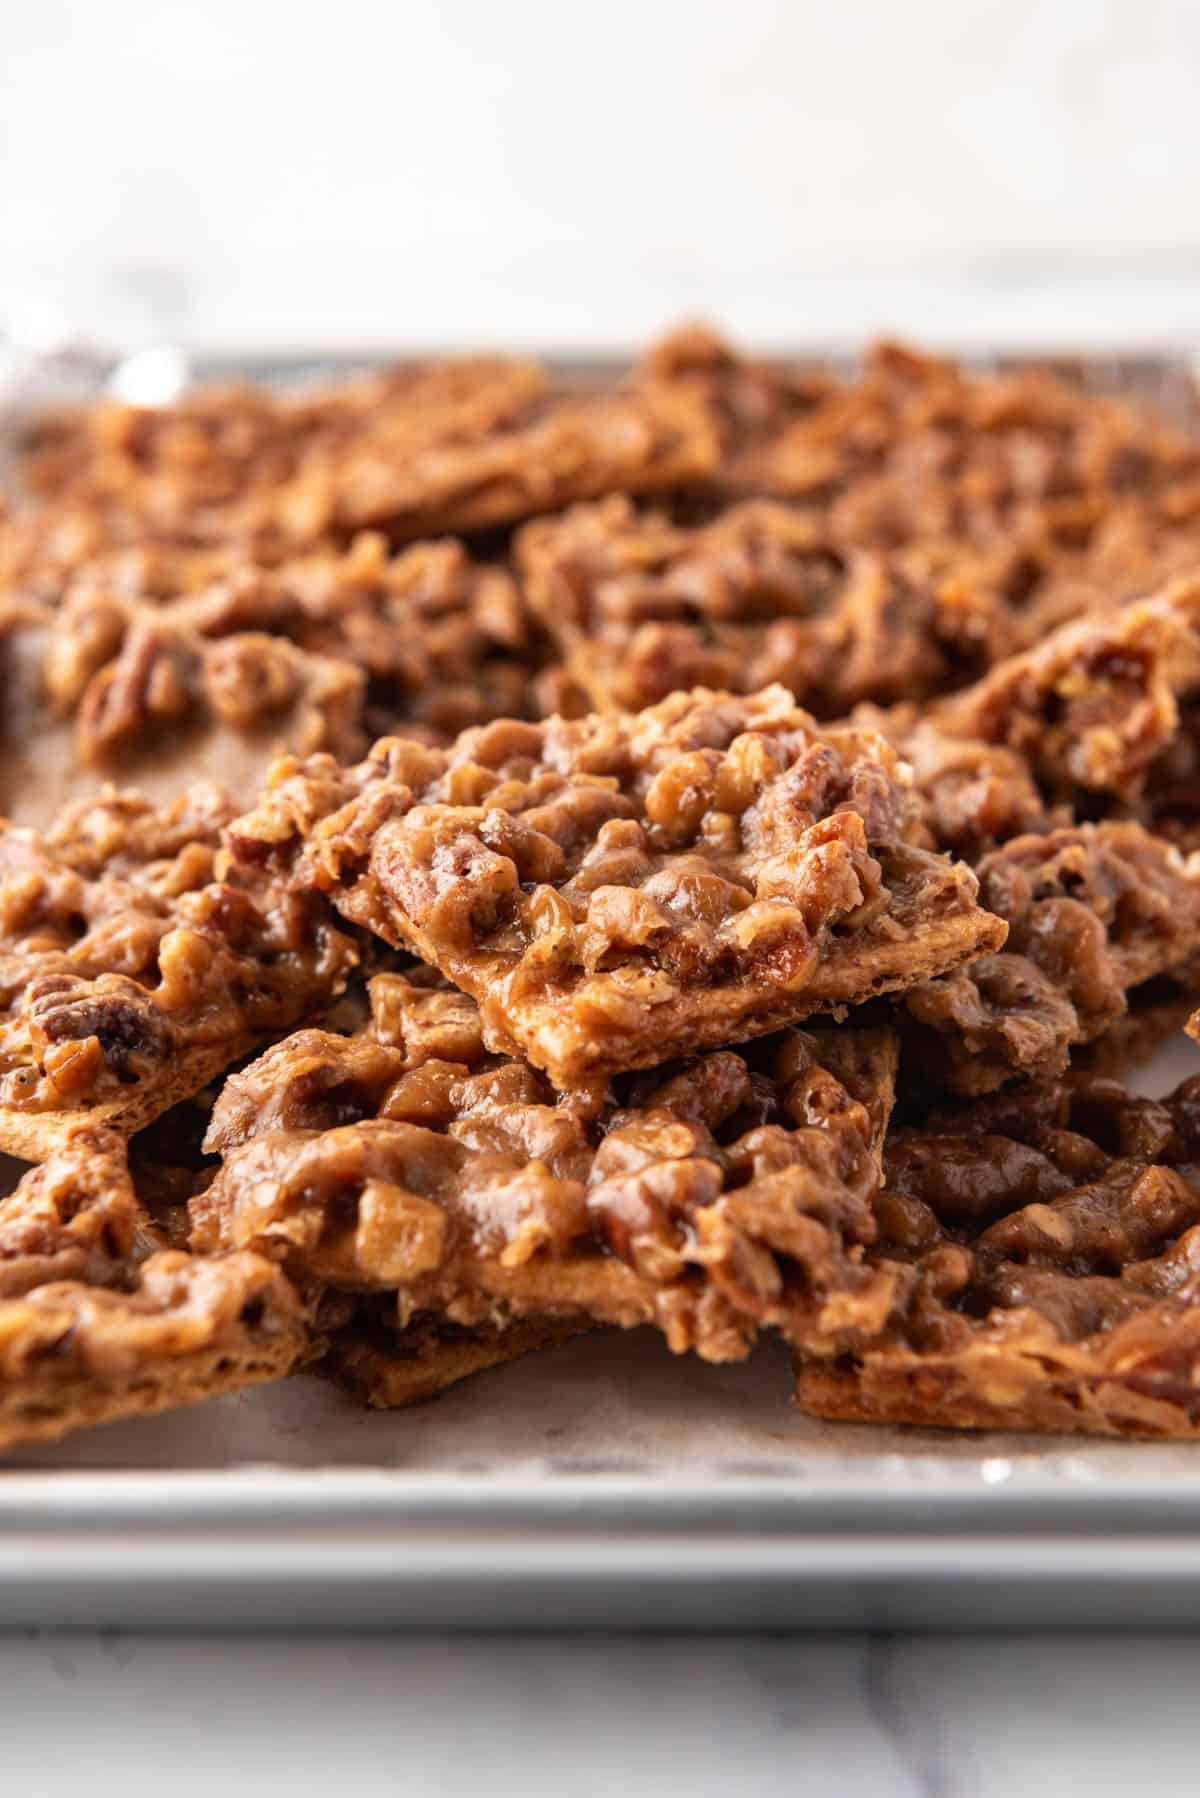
(604, 1483)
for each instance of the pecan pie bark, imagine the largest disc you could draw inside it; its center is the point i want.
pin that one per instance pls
(1078, 499)
(120, 832)
(218, 466)
(416, 451)
(614, 891)
(711, 1198)
(1157, 1013)
(1092, 912)
(115, 690)
(1096, 707)
(1171, 802)
(388, 1367)
(974, 796)
(100, 1320)
(102, 1213)
(44, 544)
(752, 401)
(647, 437)
(442, 639)
(73, 1355)
(157, 572)
(641, 607)
(916, 446)
(76, 1217)
(125, 991)
(1046, 1251)
(249, 695)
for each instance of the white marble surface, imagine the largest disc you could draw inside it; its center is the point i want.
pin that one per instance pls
(851, 1717)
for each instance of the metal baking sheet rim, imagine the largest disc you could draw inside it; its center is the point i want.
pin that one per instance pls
(1004, 1535)
(398, 1573)
(260, 1551)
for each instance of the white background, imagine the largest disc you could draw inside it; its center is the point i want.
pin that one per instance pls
(268, 171)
